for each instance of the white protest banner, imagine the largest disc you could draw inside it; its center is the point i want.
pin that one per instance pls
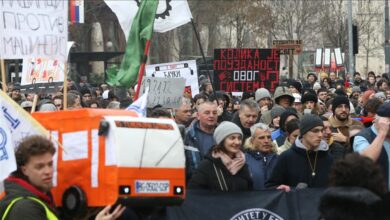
(33, 29)
(166, 92)
(183, 69)
(15, 124)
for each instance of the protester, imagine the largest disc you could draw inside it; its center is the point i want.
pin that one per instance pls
(183, 114)
(282, 98)
(309, 103)
(307, 161)
(341, 120)
(358, 187)
(279, 136)
(275, 117)
(224, 168)
(373, 142)
(27, 190)
(263, 98)
(292, 133)
(246, 117)
(260, 154)
(337, 150)
(199, 136)
(222, 100)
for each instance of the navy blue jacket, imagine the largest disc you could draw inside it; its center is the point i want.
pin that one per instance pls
(260, 167)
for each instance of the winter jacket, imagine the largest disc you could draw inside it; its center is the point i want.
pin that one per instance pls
(213, 175)
(260, 167)
(24, 208)
(197, 144)
(284, 147)
(292, 167)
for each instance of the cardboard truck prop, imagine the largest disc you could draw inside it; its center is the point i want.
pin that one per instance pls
(108, 156)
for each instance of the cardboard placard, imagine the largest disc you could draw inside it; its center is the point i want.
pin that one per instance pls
(33, 29)
(185, 69)
(246, 70)
(166, 92)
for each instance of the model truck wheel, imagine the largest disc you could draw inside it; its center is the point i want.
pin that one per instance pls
(74, 202)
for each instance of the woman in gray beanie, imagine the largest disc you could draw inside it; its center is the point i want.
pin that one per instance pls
(224, 167)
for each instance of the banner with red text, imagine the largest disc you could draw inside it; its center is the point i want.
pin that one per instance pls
(245, 69)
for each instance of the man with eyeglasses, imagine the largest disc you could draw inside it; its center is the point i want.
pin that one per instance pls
(260, 154)
(307, 162)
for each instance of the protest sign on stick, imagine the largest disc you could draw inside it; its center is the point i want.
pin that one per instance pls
(33, 29)
(183, 69)
(166, 92)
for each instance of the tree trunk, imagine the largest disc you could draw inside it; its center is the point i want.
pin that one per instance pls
(97, 45)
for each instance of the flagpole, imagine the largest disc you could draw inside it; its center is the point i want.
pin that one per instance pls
(142, 69)
(202, 53)
(3, 77)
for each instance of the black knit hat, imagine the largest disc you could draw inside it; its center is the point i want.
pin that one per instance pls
(308, 122)
(309, 97)
(338, 100)
(384, 110)
(297, 85)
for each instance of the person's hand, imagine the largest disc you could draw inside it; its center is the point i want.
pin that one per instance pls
(339, 137)
(382, 125)
(284, 187)
(106, 215)
(264, 109)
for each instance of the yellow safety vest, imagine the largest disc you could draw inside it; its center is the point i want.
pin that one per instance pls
(49, 214)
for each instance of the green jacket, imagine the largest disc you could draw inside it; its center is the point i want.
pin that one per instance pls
(25, 208)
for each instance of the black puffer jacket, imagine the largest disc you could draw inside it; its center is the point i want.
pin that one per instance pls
(206, 177)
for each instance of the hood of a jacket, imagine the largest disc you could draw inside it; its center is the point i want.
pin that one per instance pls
(322, 147)
(283, 91)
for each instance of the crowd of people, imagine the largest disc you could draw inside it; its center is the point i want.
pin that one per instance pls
(316, 132)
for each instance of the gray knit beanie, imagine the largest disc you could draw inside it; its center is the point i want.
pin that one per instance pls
(225, 129)
(261, 94)
(308, 122)
(276, 111)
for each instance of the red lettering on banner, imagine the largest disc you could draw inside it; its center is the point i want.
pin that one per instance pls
(222, 54)
(257, 54)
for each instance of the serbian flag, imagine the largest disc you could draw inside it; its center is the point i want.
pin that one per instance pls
(77, 11)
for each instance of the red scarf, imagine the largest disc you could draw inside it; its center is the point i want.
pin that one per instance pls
(41, 195)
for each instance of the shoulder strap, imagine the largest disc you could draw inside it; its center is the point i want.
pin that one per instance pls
(221, 179)
(49, 214)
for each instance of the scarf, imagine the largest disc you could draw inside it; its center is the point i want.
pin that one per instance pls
(41, 195)
(233, 165)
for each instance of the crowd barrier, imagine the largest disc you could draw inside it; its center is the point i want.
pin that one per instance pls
(264, 205)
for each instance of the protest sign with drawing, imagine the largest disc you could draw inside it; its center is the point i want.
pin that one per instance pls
(184, 69)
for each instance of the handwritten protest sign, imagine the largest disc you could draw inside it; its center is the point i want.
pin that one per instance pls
(166, 92)
(246, 70)
(185, 69)
(33, 29)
